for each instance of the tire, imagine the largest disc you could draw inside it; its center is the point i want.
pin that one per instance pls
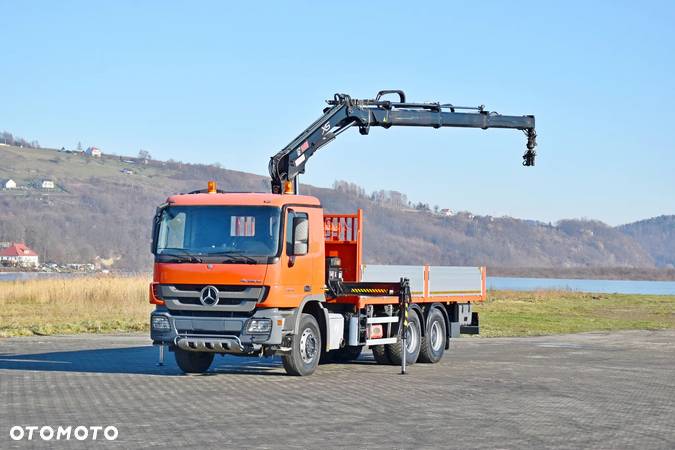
(306, 348)
(380, 354)
(412, 343)
(193, 362)
(433, 343)
(347, 354)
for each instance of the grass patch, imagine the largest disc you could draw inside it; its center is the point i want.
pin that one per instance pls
(108, 304)
(508, 313)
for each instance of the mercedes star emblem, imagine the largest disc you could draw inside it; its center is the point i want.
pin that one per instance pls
(209, 296)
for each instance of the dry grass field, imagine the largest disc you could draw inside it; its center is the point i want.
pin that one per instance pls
(108, 304)
(74, 305)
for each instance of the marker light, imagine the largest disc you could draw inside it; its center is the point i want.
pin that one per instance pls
(288, 187)
(212, 187)
(154, 294)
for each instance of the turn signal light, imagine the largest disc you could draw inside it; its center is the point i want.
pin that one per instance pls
(212, 187)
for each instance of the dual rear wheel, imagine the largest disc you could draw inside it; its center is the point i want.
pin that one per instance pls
(426, 349)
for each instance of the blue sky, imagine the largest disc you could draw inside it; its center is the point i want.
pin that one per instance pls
(234, 83)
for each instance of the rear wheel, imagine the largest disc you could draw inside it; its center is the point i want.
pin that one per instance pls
(193, 362)
(412, 342)
(433, 343)
(380, 354)
(346, 354)
(306, 348)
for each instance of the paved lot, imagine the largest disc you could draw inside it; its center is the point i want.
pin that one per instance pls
(577, 391)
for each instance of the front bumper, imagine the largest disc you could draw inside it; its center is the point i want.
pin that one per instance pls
(218, 334)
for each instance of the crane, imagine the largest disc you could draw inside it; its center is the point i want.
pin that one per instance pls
(344, 112)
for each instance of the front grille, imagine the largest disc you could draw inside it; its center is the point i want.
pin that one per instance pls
(222, 301)
(219, 314)
(220, 287)
(232, 298)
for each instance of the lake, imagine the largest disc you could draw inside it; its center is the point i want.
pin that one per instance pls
(599, 286)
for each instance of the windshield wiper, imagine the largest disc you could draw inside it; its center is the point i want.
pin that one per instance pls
(235, 257)
(184, 256)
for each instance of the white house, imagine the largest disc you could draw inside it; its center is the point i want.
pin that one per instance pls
(18, 254)
(10, 184)
(94, 151)
(47, 184)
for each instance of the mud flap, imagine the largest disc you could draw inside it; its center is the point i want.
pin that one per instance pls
(474, 328)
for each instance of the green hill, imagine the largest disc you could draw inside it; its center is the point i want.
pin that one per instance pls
(102, 208)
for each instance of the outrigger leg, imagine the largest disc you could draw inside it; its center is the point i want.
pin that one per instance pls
(160, 362)
(404, 304)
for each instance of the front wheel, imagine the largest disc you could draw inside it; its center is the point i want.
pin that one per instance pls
(306, 348)
(193, 362)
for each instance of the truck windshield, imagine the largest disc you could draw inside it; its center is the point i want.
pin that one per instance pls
(219, 231)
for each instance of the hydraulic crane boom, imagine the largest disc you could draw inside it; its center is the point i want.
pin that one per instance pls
(344, 112)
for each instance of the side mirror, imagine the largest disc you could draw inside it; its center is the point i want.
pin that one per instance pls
(300, 236)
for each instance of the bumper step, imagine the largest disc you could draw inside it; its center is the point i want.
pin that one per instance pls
(206, 344)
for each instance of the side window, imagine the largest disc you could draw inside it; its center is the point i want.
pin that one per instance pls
(289, 228)
(173, 234)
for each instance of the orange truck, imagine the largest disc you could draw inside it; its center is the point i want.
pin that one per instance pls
(263, 274)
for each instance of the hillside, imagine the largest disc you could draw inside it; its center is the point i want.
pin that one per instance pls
(656, 236)
(99, 211)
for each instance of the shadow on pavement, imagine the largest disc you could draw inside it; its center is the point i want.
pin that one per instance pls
(131, 360)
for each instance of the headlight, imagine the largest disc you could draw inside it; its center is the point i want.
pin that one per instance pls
(160, 323)
(259, 326)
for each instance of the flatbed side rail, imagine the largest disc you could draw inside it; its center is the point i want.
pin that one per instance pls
(434, 283)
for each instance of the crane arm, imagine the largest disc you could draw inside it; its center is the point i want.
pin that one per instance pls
(344, 112)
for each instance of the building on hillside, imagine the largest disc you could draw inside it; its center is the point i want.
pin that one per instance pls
(94, 151)
(18, 254)
(9, 184)
(47, 184)
(446, 212)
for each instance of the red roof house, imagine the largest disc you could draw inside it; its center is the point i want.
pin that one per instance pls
(19, 254)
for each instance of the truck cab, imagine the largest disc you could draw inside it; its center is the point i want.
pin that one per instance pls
(231, 269)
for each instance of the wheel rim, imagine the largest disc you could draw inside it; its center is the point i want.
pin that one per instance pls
(436, 335)
(411, 338)
(308, 346)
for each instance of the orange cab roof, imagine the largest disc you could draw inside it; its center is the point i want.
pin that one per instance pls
(242, 198)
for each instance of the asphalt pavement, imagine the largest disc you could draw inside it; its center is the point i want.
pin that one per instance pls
(593, 390)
